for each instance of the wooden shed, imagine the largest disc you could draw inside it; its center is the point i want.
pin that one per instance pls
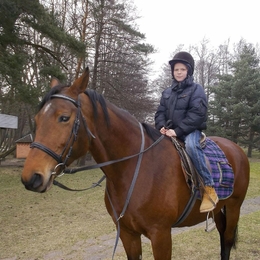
(8, 127)
(23, 146)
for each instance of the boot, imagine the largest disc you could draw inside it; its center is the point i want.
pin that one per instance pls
(209, 200)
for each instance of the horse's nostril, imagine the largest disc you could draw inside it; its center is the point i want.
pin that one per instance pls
(34, 182)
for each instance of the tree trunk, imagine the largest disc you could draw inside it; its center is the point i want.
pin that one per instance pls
(251, 142)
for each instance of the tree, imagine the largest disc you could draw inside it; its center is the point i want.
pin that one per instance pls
(41, 39)
(237, 96)
(206, 66)
(28, 36)
(232, 84)
(22, 23)
(120, 59)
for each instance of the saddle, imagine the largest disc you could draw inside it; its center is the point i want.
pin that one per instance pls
(217, 163)
(192, 177)
(220, 169)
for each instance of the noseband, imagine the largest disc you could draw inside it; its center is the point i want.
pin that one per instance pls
(73, 136)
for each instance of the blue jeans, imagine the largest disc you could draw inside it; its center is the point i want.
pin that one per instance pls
(194, 150)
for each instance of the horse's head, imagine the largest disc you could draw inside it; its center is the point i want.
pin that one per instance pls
(59, 129)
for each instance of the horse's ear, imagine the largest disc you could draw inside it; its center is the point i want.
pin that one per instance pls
(81, 83)
(54, 82)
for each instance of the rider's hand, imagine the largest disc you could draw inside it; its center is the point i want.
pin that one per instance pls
(163, 131)
(170, 133)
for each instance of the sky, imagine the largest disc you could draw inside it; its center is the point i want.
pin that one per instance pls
(169, 23)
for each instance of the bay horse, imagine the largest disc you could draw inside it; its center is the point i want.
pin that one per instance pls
(72, 121)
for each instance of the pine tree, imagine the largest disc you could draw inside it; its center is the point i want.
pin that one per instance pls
(236, 99)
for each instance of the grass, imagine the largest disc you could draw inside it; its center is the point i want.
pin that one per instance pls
(52, 220)
(253, 190)
(32, 225)
(197, 244)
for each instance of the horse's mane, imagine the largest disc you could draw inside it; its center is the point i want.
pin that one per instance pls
(152, 132)
(94, 98)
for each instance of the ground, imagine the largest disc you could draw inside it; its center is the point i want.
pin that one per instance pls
(101, 247)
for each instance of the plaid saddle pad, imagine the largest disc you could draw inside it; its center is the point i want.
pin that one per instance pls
(222, 171)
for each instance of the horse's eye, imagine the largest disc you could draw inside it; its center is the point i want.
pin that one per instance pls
(64, 119)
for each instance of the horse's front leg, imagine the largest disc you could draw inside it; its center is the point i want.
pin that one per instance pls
(161, 244)
(132, 244)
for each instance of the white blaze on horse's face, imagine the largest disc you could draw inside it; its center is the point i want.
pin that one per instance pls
(46, 108)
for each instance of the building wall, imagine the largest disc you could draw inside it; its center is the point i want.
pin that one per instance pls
(7, 121)
(22, 150)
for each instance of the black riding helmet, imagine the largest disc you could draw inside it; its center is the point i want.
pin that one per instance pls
(185, 58)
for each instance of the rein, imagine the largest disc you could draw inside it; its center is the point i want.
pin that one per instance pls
(129, 193)
(99, 165)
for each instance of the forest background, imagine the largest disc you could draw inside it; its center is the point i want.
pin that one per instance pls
(42, 39)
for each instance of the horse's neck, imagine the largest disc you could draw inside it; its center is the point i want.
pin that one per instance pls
(120, 139)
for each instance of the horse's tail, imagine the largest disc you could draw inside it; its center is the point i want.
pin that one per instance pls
(235, 238)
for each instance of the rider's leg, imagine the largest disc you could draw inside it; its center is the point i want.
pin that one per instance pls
(194, 150)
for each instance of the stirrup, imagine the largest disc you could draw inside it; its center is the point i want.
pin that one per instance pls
(210, 225)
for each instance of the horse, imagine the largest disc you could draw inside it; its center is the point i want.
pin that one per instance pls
(146, 191)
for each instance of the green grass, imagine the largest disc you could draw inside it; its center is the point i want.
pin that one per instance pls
(253, 190)
(32, 224)
(51, 220)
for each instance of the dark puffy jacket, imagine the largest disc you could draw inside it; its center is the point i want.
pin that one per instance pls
(185, 104)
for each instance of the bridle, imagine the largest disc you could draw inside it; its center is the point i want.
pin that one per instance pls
(73, 136)
(62, 163)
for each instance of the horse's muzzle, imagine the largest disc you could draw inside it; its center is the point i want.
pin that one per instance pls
(35, 183)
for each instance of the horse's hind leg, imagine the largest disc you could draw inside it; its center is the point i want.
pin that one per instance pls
(132, 244)
(220, 220)
(226, 222)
